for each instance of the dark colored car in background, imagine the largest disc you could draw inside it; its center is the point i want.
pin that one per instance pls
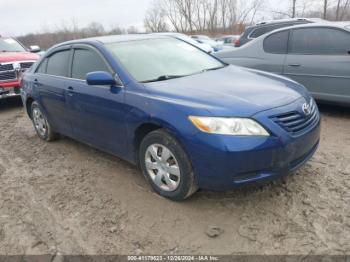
(262, 28)
(186, 118)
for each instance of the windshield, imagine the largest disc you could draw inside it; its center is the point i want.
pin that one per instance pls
(10, 45)
(161, 59)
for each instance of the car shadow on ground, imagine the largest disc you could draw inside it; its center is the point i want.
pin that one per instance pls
(276, 187)
(334, 110)
(10, 103)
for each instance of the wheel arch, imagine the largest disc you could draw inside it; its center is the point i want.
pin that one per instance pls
(151, 125)
(28, 103)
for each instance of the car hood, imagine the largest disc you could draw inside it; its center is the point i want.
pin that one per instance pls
(6, 57)
(231, 91)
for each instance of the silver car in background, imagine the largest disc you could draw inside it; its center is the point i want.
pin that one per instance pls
(315, 55)
(205, 47)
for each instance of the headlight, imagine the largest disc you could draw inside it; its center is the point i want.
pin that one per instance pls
(229, 126)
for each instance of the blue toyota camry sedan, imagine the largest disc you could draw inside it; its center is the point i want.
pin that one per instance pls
(188, 120)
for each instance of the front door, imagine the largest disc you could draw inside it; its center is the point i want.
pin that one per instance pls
(97, 112)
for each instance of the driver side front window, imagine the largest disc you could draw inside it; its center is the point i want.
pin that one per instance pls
(86, 61)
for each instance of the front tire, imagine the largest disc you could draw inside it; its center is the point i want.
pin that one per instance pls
(41, 125)
(166, 166)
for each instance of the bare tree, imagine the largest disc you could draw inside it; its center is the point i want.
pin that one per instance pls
(342, 9)
(94, 29)
(325, 8)
(155, 19)
(294, 8)
(132, 30)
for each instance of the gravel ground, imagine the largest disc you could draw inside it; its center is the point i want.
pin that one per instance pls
(67, 198)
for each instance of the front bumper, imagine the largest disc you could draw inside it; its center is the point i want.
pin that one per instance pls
(226, 162)
(8, 89)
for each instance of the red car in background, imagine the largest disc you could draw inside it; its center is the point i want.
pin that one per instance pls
(14, 60)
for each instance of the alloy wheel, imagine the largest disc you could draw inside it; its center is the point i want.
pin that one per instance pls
(40, 122)
(162, 167)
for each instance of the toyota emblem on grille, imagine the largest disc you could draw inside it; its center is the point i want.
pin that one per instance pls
(306, 109)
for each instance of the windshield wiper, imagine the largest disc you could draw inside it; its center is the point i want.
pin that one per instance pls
(213, 69)
(163, 78)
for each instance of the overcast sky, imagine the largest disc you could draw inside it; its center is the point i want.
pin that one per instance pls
(23, 16)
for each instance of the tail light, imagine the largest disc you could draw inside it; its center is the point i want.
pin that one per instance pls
(238, 42)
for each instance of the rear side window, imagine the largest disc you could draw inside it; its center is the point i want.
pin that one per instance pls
(277, 43)
(259, 32)
(87, 61)
(42, 67)
(58, 63)
(320, 41)
(266, 29)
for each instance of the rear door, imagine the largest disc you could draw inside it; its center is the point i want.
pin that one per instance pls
(51, 82)
(318, 58)
(97, 111)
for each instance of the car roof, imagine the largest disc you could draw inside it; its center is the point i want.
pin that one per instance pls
(226, 36)
(287, 20)
(340, 25)
(284, 21)
(169, 34)
(114, 39)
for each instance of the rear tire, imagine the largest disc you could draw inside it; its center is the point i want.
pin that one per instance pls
(41, 125)
(166, 166)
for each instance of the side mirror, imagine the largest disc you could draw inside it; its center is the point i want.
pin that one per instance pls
(101, 78)
(34, 49)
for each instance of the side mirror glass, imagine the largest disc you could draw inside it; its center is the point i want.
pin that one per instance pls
(100, 78)
(34, 49)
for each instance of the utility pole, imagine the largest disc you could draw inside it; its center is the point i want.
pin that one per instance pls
(294, 8)
(325, 7)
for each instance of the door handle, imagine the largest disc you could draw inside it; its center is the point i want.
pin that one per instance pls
(294, 65)
(36, 82)
(70, 91)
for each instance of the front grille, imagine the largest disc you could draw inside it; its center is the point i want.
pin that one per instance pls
(26, 65)
(8, 72)
(6, 67)
(6, 76)
(297, 122)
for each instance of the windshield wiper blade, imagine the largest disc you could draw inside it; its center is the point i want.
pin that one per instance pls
(163, 78)
(213, 69)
